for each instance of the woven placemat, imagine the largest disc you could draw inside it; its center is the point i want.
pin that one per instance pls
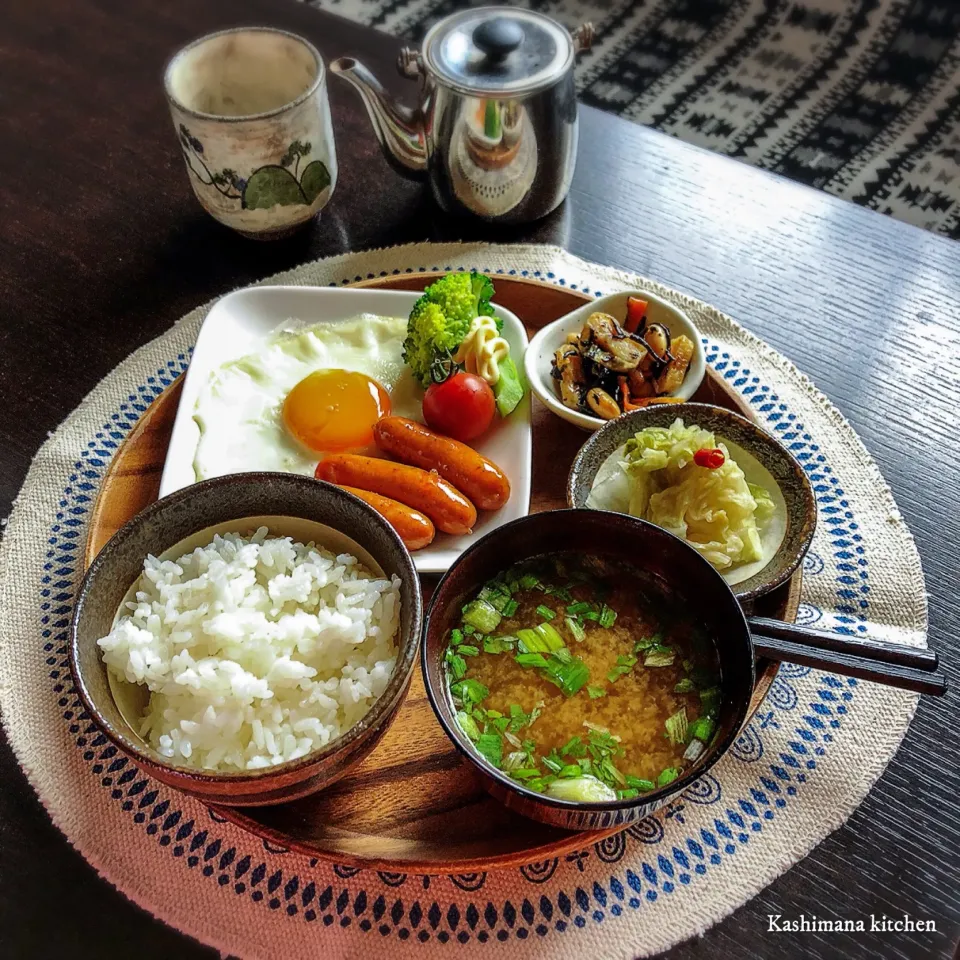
(808, 758)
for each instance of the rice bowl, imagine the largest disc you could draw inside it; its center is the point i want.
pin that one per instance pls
(256, 650)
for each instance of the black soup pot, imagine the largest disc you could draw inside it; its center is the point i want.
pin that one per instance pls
(686, 578)
(682, 571)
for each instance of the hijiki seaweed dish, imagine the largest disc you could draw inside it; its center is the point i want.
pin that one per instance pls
(577, 678)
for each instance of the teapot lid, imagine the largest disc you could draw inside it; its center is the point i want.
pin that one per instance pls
(498, 51)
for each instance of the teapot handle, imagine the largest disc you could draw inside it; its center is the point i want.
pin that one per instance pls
(582, 38)
(410, 64)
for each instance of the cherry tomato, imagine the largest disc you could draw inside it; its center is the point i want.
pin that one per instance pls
(462, 407)
(711, 459)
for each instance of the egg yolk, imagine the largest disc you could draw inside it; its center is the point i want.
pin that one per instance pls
(333, 410)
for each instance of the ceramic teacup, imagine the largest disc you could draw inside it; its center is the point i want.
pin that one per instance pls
(252, 116)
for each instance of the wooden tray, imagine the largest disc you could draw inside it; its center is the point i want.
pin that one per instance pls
(413, 805)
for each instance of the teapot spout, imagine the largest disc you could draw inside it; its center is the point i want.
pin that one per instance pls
(398, 128)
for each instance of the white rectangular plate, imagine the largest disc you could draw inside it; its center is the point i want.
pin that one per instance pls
(241, 320)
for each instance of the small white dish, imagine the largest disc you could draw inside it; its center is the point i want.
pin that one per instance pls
(240, 320)
(539, 356)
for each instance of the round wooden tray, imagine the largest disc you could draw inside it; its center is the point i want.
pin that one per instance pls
(413, 805)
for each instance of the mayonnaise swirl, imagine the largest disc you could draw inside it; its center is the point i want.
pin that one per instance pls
(482, 350)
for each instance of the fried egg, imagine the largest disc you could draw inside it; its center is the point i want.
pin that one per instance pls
(305, 393)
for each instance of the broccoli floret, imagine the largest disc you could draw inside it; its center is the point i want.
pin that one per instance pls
(441, 317)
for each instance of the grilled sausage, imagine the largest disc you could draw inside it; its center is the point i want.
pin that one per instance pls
(429, 493)
(415, 530)
(480, 479)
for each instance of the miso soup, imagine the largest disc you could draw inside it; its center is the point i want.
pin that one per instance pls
(578, 678)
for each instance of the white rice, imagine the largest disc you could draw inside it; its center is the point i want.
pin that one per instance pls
(255, 651)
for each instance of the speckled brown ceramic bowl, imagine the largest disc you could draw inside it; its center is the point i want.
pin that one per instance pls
(798, 500)
(288, 506)
(685, 576)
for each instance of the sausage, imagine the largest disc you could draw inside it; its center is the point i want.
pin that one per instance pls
(480, 479)
(415, 530)
(429, 493)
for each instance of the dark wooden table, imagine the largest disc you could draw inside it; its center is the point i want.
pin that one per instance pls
(102, 247)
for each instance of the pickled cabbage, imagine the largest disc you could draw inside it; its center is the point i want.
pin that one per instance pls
(715, 510)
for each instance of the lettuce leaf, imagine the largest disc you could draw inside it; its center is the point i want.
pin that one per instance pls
(716, 511)
(508, 390)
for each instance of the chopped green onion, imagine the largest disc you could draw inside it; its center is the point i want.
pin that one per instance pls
(644, 643)
(490, 747)
(570, 770)
(590, 615)
(458, 666)
(547, 632)
(638, 783)
(596, 692)
(498, 644)
(518, 719)
(586, 764)
(628, 794)
(667, 776)
(687, 665)
(702, 729)
(525, 773)
(677, 726)
(468, 725)
(500, 724)
(531, 659)
(494, 714)
(528, 581)
(625, 663)
(469, 629)
(574, 747)
(482, 616)
(514, 761)
(607, 616)
(578, 632)
(467, 650)
(532, 641)
(563, 655)
(456, 636)
(710, 701)
(684, 686)
(537, 783)
(479, 714)
(469, 691)
(659, 656)
(544, 611)
(552, 763)
(494, 594)
(581, 606)
(585, 789)
(514, 741)
(569, 677)
(510, 608)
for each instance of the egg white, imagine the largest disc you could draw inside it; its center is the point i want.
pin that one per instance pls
(239, 410)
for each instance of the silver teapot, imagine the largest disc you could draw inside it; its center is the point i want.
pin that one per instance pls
(495, 129)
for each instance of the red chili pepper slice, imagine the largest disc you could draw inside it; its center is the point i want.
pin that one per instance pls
(711, 459)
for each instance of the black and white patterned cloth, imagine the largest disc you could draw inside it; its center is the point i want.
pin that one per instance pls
(860, 98)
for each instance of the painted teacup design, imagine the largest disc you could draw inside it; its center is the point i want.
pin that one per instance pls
(252, 117)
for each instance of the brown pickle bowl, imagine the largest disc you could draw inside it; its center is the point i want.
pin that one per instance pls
(685, 577)
(288, 500)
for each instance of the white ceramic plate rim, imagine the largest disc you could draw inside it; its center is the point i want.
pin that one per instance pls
(240, 319)
(537, 362)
